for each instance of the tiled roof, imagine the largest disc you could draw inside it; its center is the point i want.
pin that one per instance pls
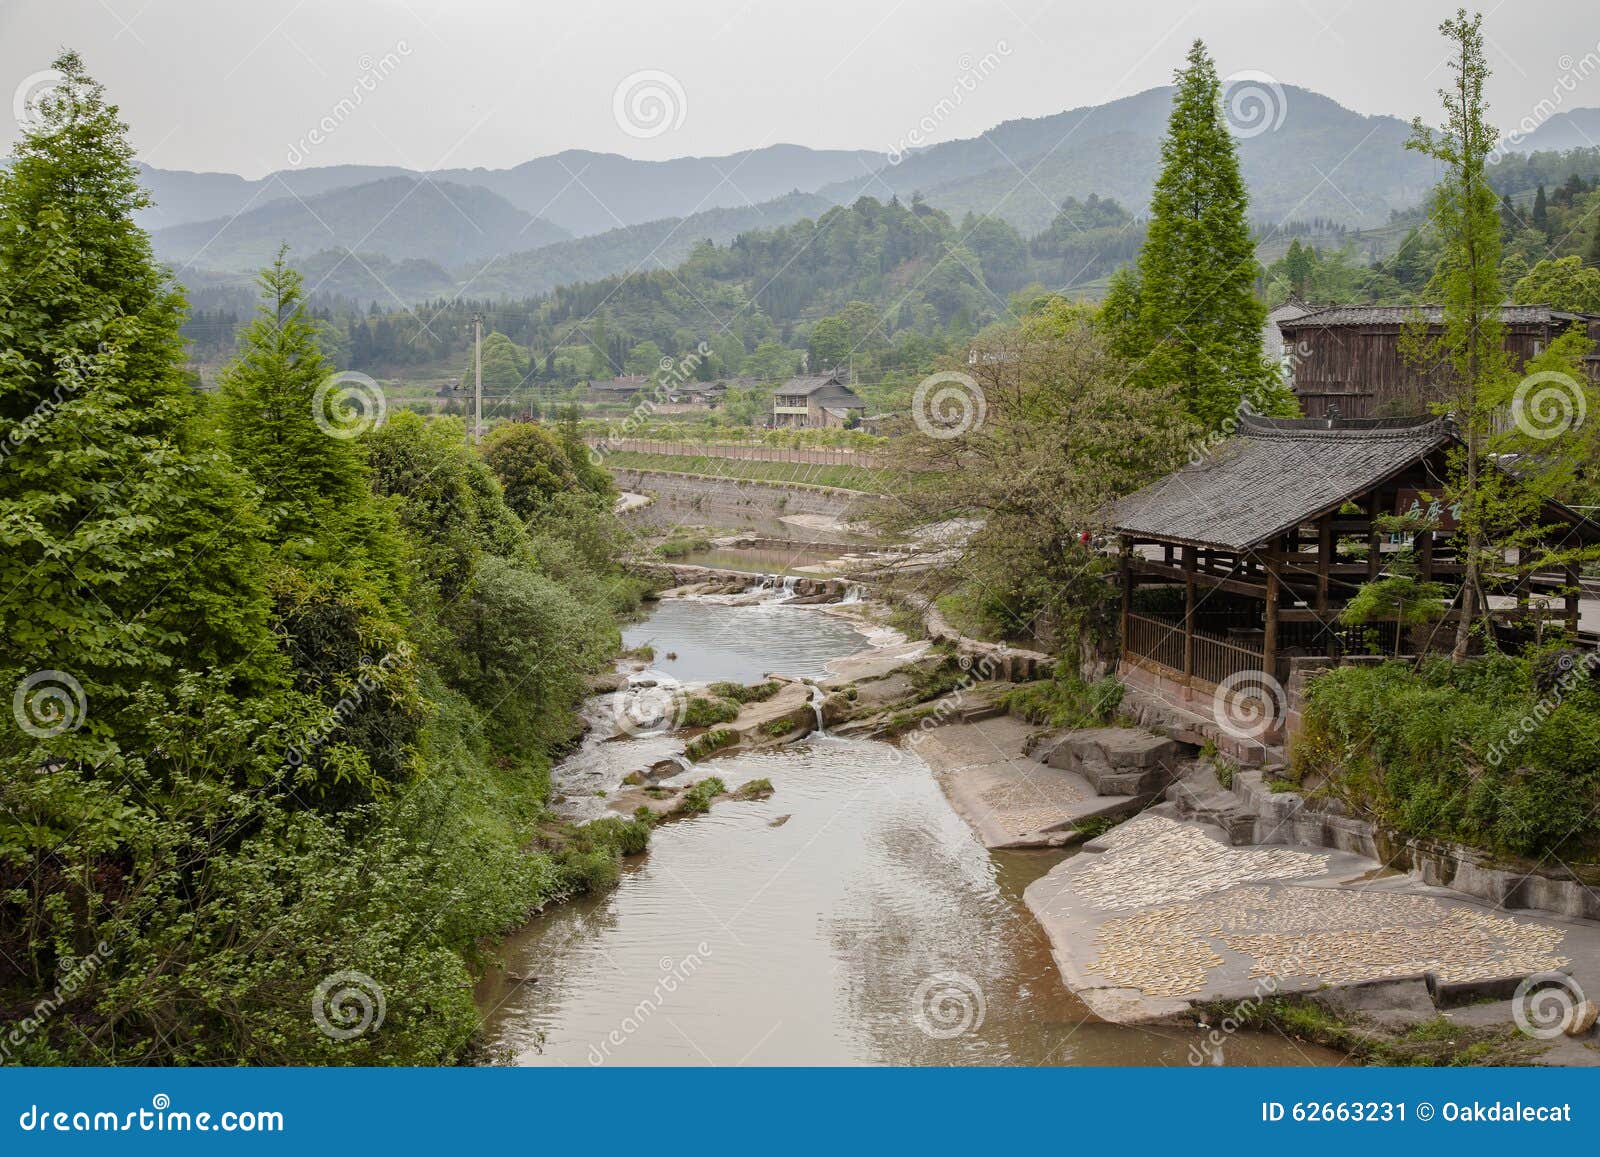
(1273, 475)
(1400, 314)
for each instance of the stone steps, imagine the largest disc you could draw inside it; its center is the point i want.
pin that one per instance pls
(1116, 761)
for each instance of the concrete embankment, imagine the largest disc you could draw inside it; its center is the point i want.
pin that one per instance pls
(685, 494)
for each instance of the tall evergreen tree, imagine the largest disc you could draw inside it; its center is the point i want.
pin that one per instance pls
(1189, 315)
(127, 544)
(1541, 211)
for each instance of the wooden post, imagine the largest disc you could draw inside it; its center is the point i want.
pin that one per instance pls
(1269, 641)
(1125, 554)
(1574, 593)
(1188, 611)
(1324, 558)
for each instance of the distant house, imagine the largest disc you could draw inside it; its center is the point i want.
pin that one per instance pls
(617, 390)
(1349, 356)
(1273, 347)
(816, 402)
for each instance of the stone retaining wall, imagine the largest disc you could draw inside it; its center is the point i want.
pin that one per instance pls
(690, 492)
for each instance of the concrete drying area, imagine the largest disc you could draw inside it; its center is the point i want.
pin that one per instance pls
(1160, 914)
(1010, 799)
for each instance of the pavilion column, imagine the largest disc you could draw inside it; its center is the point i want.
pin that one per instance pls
(1269, 641)
(1188, 611)
(1324, 558)
(1125, 560)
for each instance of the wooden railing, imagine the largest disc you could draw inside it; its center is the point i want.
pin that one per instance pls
(1214, 658)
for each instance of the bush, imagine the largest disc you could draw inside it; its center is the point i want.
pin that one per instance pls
(1467, 752)
(740, 693)
(703, 712)
(697, 799)
(1065, 700)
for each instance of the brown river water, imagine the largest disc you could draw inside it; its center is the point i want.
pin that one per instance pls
(852, 918)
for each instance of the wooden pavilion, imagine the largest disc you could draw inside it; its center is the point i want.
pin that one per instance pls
(1244, 559)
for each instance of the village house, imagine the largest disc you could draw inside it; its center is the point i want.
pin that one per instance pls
(617, 391)
(816, 402)
(1350, 357)
(1242, 562)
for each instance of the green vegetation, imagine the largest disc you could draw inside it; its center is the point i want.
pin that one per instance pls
(746, 693)
(709, 743)
(1065, 700)
(1477, 752)
(754, 789)
(682, 544)
(316, 671)
(1187, 315)
(701, 711)
(697, 800)
(1436, 1042)
(777, 728)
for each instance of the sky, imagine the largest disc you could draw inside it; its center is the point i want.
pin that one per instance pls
(269, 84)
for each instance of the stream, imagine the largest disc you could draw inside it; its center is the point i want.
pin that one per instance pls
(851, 918)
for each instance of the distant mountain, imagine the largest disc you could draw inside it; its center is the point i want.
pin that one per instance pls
(1321, 160)
(1577, 128)
(582, 192)
(593, 192)
(653, 245)
(399, 217)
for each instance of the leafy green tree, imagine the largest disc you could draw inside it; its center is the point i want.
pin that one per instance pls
(505, 368)
(1188, 315)
(531, 464)
(829, 346)
(645, 359)
(1564, 282)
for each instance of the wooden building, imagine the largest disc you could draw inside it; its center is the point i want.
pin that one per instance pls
(1350, 356)
(820, 401)
(1243, 560)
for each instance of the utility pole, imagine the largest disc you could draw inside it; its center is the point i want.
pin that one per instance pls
(477, 377)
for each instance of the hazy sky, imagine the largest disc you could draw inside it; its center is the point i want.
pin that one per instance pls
(251, 87)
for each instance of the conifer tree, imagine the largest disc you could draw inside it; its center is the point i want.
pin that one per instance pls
(127, 543)
(1190, 317)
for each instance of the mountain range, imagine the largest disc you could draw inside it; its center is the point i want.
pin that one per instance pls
(577, 215)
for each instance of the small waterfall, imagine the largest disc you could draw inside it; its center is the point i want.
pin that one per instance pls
(789, 582)
(818, 695)
(852, 593)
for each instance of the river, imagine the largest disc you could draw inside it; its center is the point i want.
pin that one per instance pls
(851, 918)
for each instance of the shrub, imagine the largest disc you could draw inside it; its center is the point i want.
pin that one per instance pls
(698, 798)
(1065, 700)
(703, 712)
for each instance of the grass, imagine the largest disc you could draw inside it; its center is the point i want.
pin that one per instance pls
(680, 545)
(697, 800)
(754, 789)
(1438, 1041)
(700, 711)
(778, 727)
(1065, 701)
(710, 742)
(794, 473)
(742, 693)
